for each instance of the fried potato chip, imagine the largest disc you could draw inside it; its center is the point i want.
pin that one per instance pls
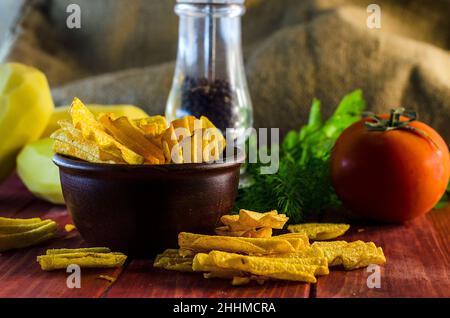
(192, 148)
(127, 134)
(152, 126)
(210, 150)
(263, 232)
(293, 269)
(307, 252)
(171, 148)
(351, 255)
(239, 281)
(91, 129)
(80, 114)
(230, 219)
(225, 231)
(72, 136)
(247, 220)
(320, 231)
(213, 133)
(69, 150)
(170, 259)
(269, 219)
(188, 123)
(252, 246)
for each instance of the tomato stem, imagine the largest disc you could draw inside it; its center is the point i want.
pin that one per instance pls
(394, 122)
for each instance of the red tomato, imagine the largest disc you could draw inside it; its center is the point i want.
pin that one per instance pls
(393, 175)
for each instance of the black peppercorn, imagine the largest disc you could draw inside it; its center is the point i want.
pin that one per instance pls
(213, 99)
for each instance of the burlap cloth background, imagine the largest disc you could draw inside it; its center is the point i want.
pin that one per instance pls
(294, 50)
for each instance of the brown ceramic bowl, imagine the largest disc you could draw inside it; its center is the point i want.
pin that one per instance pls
(140, 209)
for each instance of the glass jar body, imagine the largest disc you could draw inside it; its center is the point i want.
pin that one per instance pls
(209, 78)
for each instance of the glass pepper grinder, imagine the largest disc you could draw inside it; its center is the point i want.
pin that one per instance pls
(209, 78)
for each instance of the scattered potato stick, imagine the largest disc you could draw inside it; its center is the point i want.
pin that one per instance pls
(332, 251)
(320, 231)
(12, 221)
(170, 259)
(264, 232)
(351, 255)
(247, 220)
(320, 262)
(267, 267)
(11, 229)
(69, 227)
(107, 277)
(269, 219)
(230, 219)
(87, 260)
(56, 251)
(239, 281)
(28, 238)
(308, 252)
(252, 246)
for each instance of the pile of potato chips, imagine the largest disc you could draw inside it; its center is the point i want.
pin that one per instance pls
(251, 224)
(245, 250)
(150, 140)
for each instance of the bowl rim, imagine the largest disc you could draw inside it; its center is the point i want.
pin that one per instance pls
(63, 161)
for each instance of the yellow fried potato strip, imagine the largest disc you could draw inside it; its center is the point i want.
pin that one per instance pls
(213, 133)
(320, 231)
(171, 148)
(351, 255)
(72, 151)
(20, 228)
(12, 221)
(188, 123)
(91, 129)
(269, 219)
(263, 232)
(190, 243)
(83, 259)
(171, 259)
(71, 142)
(133, 138)
(152, 126)
(308, 252)
(46, 230)
(54, 251)
(107, 278)
(69, 227)
(276, 268)
(247, 220)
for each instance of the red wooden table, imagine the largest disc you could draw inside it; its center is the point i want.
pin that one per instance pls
(418, 258)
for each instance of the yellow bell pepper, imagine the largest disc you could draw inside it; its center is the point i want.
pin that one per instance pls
(25, 108)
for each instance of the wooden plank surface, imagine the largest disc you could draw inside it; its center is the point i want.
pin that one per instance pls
(417, 263)
(418, 255)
